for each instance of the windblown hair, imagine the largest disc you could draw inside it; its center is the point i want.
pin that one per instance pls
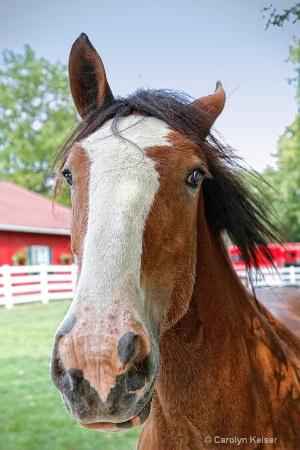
(230, 204)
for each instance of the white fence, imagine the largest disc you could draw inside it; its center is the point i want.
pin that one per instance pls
(269, 277)
(24, 284)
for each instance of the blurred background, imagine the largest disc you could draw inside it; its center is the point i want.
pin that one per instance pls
(251, 47)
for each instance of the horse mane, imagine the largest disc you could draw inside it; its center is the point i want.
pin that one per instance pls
(230, 203)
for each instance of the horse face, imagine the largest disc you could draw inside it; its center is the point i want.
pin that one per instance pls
(135, 198)
(133, 232)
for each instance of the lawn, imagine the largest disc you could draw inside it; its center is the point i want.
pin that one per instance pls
(31, 411)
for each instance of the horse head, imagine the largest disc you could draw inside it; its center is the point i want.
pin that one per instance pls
(135, 184)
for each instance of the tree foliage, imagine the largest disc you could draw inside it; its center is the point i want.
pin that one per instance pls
(288, 157)
(36, 114)
(285, 179)
(277, 19)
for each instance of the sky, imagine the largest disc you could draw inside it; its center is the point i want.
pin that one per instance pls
(178, 44)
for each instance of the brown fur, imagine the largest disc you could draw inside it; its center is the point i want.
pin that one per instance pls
(168, 265)
(80, 164)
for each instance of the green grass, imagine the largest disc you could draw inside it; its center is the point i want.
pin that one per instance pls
(32, 416)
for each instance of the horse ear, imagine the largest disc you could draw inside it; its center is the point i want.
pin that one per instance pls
(88, 83)
(212, 105)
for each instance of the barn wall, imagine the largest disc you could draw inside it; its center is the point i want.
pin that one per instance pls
(10, 242)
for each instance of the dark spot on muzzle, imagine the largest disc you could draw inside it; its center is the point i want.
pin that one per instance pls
(57, 369)
(127, 347)
(66, 326)
(143, 415)
(125, 425)
(124, 399)
(81, 394)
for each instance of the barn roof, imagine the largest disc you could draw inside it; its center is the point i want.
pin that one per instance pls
(27, 211)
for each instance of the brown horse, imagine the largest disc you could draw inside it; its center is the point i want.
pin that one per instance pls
(161, 330)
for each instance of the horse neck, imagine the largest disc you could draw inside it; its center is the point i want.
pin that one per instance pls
(220, 304)
(219, 308)
(211, 357)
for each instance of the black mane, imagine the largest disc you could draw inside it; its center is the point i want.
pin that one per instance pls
(230, 204)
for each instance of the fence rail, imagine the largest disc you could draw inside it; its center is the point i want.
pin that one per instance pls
(270, 277)
(24, 284)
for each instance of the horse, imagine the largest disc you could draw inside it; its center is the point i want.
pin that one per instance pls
(161, 332)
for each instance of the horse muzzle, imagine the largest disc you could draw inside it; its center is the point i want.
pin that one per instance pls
(108, 387)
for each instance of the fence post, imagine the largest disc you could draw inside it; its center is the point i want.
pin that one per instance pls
(292, 275)
(44, 283)
(73, 277)
(7, 284)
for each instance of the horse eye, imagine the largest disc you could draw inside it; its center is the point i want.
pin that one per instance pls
(194, 179)
(68, 176)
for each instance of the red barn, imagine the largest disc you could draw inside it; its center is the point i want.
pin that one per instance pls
(32, 231)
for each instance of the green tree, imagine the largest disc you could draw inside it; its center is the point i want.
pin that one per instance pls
(288, 161)
(36, 114)
(277, 19)
(285, 179)
(280, 186)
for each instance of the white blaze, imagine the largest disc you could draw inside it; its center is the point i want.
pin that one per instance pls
(123, 184)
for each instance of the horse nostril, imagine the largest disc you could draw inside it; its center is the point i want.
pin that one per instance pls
(127, 347)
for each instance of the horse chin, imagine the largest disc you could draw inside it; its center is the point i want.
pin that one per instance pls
(112, 427)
